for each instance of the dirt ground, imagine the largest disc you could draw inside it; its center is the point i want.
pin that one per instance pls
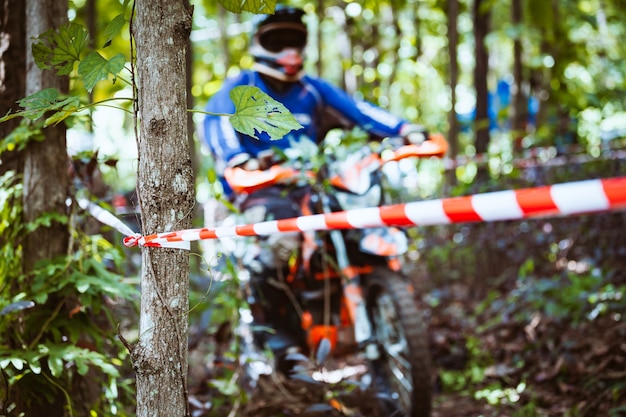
(564, 370)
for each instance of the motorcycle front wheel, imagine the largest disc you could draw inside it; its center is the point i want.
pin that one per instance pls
(402, 370)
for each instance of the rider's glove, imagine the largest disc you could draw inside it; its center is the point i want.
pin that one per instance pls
(413, 134)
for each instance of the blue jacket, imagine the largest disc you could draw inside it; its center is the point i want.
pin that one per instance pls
(305, 100)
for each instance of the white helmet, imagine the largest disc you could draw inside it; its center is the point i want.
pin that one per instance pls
(278, 44)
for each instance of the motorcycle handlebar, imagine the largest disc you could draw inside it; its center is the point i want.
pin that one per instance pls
(242, 180)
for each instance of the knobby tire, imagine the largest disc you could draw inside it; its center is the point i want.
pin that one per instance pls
(384, 281)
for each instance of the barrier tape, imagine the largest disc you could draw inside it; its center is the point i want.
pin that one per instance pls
(565, 199)
(105, 217)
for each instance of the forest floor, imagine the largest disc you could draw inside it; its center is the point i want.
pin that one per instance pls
(525, 319)
(486, 362)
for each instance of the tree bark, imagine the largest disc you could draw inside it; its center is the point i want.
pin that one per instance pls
(12, 73)
(46, 177)
(45, 182)
(481, 121)
(520, 100)
(320, 18)
(453, 131)
(166, 193)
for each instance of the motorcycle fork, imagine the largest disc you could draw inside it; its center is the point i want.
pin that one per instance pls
(351, 283)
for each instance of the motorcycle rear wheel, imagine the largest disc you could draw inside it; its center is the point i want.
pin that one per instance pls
(402, 370)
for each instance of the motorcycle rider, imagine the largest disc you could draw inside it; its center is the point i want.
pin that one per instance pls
(278, 47)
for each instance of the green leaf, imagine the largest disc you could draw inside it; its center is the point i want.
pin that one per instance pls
(211, 176)
(56, 365)
(37, 104)
(35, 366)
(61, 115)
(252, 6)
(20, 137)
(227, 387)
(257, 112)
(81, 287)
(114, 27)
(61, 48)
(48, 100)
(18, 363)
(95, 68)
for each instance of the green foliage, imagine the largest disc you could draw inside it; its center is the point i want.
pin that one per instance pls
(95, 68)
(114, 28)
(539, 291)
(66, 49)
(49, 100)
(10, 229)
(575, 297)
(473, 373)
(61, 48)
(59, 322)
(252, 6)
(256, 113)
(220, 304)
(20, 136)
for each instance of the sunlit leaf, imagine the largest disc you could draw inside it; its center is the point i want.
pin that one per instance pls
(60, 116)
(61, 48)
(55, 363)
(257, 113)
(18, 363)
(20, 137)
(226, 387)
(35, 367)
(95, 68)
(252, 6)
(114, 27)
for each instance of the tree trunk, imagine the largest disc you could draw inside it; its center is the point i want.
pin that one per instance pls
(417, 24)
(12, 73)
(46, 178)
(453, 132)
(166, 193)
(481, 28)
(520, 100)
(320, 18)
(222, 23)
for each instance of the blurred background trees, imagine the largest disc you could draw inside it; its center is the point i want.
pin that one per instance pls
(501, 79)
(545, 73)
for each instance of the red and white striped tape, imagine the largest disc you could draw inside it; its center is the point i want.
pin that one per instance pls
(105, 217)
(556, 200)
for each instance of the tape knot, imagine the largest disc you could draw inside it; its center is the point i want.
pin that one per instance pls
(131, 241)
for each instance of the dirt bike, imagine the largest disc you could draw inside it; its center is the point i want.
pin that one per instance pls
(349, 283)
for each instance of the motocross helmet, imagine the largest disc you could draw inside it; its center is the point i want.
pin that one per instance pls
(278, 43)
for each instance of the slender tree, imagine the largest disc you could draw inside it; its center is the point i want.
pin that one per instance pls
(520, 112)
(166, 193)
(12, 72)
(45, 180)
(481, 18)
(45, 163)
(320, 17)
(453, 41)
